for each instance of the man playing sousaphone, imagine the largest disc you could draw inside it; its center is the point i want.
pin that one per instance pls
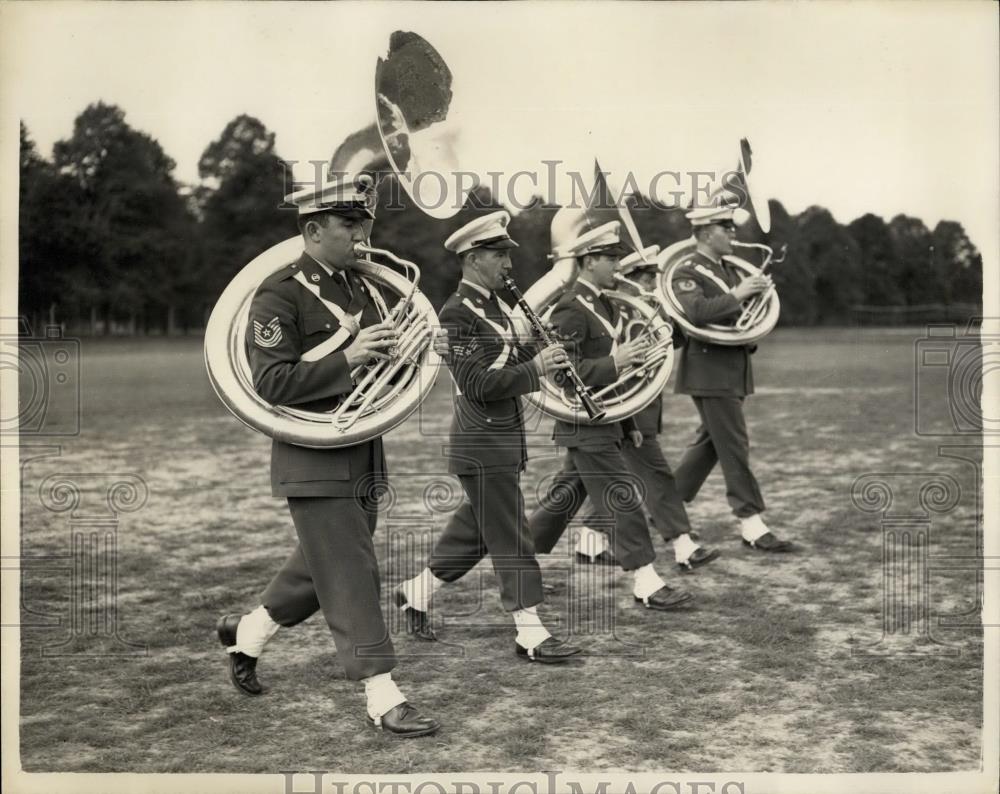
(592, 326)
(644, 456)
(311, 324)
(719, 377)
(492, 367)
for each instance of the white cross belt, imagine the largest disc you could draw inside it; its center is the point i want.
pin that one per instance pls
(344, 332)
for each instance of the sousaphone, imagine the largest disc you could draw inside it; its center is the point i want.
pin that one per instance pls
(760, 313)
(412, 93)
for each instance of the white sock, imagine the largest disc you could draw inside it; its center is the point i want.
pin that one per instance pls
(420, 589)
(530, 631)
(647, 581)
(752, 527)
(684, 547)
(253, 632)
(382, 693)
(591, 542)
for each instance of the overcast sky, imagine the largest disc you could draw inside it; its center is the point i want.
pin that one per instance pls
(857, 107)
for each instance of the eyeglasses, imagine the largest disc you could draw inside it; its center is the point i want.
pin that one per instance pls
(728, 226)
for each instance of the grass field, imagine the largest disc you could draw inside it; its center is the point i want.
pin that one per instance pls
(779, 665)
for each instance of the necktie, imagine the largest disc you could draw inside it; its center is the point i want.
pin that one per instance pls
(345, 283)
(608, 307)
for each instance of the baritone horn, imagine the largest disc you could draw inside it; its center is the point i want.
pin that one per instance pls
(388, 388)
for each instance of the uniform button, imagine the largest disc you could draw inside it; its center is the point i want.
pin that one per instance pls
(488, 420)
(328, 325)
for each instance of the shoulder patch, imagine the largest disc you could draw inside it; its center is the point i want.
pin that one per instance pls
(686, 285)
(464, 348)
(269, 335)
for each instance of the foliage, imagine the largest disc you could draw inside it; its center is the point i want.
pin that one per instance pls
(103, 226)
(106, 231)
(240, 202)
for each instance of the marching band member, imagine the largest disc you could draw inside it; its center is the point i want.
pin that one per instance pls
(491, 369)
(311, 324)
(719, 377)
(646, 460)
(592, 326)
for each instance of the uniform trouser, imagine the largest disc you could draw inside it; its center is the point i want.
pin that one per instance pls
(722, 438)
(334, 568)
(660, 490)
(491, 521)
(601, 474)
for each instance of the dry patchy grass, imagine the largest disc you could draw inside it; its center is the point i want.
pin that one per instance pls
(765, 672)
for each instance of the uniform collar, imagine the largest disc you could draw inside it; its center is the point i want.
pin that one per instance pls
(330, 288)
(708, 257)
(596, 299)
(590, 287)
(475, 288)
(326, 268)
(313, 269)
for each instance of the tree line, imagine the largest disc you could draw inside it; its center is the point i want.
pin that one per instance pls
(111, 242)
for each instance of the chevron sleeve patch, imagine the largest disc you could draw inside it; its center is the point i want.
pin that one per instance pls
(267, 335)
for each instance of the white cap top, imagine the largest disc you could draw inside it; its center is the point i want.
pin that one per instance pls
(605, 239)
(724, 206)
(489, 231)
(337, 195)
(635, 261)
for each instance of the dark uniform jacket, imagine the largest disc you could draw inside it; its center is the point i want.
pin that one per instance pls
(649, 421)
(286, 320)
(491, 370)
(705, 369)
(589, 342)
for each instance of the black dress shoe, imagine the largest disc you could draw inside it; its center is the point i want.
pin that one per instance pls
(604, 558)
(665, 598)
(242, 668)
(418, 623)
(405, 722)
(549, 651)
(768, 542)
(700, 556)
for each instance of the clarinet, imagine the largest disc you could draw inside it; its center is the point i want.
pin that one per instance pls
(590, 405)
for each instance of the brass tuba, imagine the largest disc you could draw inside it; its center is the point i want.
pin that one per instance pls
(637, 386)
(388, 389)
(760, 313)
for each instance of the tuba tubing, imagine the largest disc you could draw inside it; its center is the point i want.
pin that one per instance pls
(756, 321)
(387, 390)
(636, 387)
